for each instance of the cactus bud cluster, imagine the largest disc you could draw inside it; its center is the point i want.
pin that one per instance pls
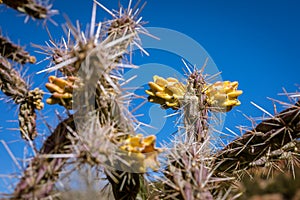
(36, 97)
(166, 92)
(222, 96)
(27, 115)
(144, 149)
(169, 93)
(61, 90)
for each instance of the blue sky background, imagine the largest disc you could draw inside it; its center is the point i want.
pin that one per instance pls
(255, 42)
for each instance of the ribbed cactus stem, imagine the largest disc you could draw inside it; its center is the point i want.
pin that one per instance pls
(288, 152)
(121, 34)
(41, 174)
(112, 112)
(11, 82)
(268, 136)
(196, 108)
(14, 52)
(189, 167)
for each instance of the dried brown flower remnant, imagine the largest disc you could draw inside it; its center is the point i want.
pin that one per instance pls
(27, 115)
(61, 90)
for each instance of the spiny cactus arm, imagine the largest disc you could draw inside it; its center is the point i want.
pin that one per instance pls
(11, 82)
(290, 153)
(268, 136)
(39, 178)
(15, 87)
(187, 175)
(14, 52)
(29, 7)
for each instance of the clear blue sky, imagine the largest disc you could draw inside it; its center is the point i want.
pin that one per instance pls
(255, 42)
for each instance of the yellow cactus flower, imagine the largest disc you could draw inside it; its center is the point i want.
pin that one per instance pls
(61, 90)
(144, 149)
(166, 92)
(222, 96)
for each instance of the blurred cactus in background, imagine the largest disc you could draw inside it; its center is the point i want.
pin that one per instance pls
(100, 132)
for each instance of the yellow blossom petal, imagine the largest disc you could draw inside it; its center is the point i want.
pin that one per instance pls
(144, 150)
(150, 92)
(222, 96)
(155, 87)
(235, 94)
(160, 81)
(166, 92)
(62, 90)
(53, 88)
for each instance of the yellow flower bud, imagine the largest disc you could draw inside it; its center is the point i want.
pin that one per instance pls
(222, 96)
(166, 92)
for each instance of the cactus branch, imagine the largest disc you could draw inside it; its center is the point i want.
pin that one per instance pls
(14, 86)
(14, 52)
(268, 136)
(29, 7)
(41, 174)
(11, 82)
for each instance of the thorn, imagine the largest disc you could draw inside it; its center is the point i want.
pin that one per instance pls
(106, 9)
(260, 108)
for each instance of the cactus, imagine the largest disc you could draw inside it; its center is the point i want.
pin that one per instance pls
(254, 147)
(15, 87)
(31, 8)
(102, 132)
(41, 174)
(14, 52)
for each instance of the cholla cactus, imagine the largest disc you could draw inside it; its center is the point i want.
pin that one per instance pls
(14, 86)
(39, 178)
(14, 52)
(94, 59)
(189, 172)
(102, 132)
(257, 147)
